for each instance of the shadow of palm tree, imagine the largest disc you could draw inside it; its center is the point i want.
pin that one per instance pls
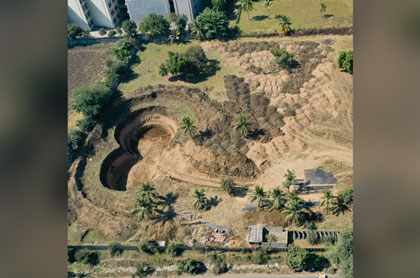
(168, 200)
(163, 216)
(260, 17)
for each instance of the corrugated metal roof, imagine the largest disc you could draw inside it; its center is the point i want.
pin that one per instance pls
(255, 233)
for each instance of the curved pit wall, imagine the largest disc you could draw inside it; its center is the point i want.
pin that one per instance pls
(117, 165)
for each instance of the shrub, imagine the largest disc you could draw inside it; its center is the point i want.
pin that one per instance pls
(130, 28)
(283, 58)
(111, 33)
(86, 34)
(148, 246)
(87, 257)
(178, 27)
(329, 239)
(102, 31)
(310, 225)
(115, 249)
(122, 51)
(341, 254)
(296, 258)
(73, 31)
(142, 270)
(191, 266)
(345, 61)
(312, 238)
(114, 70)
(219, 264)
(74, 141)
(211, 24)
(347, 195)
(86, 124)
(186, 65)
(119, 31)
(314, 263)
(91, 100)
(154, 25)
(174, 248)
(260, 257)
(228, 185)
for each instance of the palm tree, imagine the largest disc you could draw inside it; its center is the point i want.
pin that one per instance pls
(200, 199)
(323, 8)
(293, 196)
(286, 24)
(247, 6)
(290, 178)
(258, 195)
(339, 205)
(268, 4)
(278, 198)
(144, 207)
(293, 210)
(242, 125)
(147, 191)
(187, 125)
(197, 30)
(327, 199)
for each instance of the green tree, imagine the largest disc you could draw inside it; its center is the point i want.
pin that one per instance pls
(293, 209)
(188, 127)
(219, 5)
(174, 248)
(111, 33)
(247, 6)
(210, 24)
(178, 24)
(322, 8)
(102, 31)
(148, 191)
(278, 199)
(290, 178)
(144, 207)
(295, 259)
(283, 58)
(258, 195)
(268, 4)
(91, 100)
(200, 200)
(130, 28)
(148, 246)
(347, 195)
(73, 31)
(345, 61)
(285, 25)
(74, 141)
(154, 25)
(341, 254)
(327, 199)
(191, 266)
(228, 186)
(242, 125)
(114, 70)
(122, 50)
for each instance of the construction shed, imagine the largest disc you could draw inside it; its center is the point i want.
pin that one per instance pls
(255, 234)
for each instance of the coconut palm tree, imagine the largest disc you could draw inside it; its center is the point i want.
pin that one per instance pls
(339, 205)
(147, 191)
(286, 24)
(144, 208)
(197, 30)
(290, 178)
(293, 196)
(327, 199)
(278, 198)
(200, 199)
(293, 210)
(187, 125)
(247, 6)
(242, 125)
(268, 4)
(323, 8)
(258, 195)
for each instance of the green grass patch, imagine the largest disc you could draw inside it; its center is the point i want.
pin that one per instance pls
(304, 14)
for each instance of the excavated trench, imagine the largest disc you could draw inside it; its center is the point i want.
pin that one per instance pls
(142, 139)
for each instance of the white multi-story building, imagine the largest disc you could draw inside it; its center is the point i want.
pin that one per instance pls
(110, 13)
(89, 13)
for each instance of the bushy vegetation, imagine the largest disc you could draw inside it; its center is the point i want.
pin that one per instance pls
(130, 28)
(283, 58)
(111, 33)
(91, 101)
(186, 65)
(74, 141)
(102, 31)
(73, 31)
(260, 257)
(115, 249)
(191, 266)
(210, 24)
(296, 258)
(219, 264)
(314, 263)
(82, 256)
(313, 238)
(174, 248)
(122, 50)
(148, 246)
(345, 61)
(228, 186)
(154, 26)
(341, 254)
(178, 24)
(114, 70)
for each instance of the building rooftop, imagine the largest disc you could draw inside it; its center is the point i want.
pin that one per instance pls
(255, 234)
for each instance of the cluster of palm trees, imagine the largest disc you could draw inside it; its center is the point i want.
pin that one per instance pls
(291, 205)
(149, 204)
(338, 204)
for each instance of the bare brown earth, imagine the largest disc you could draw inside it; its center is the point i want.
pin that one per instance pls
(300, 119)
